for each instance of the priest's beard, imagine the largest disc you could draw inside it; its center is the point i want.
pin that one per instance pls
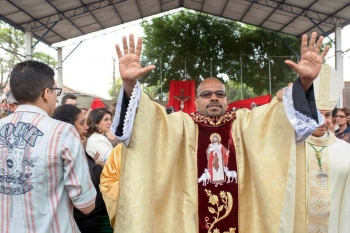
(214, 109)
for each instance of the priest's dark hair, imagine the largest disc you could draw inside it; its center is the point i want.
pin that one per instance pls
(29, 79)
(66, 113)
(94, 118)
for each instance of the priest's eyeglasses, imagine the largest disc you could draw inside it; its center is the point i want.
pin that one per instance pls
(208, 94)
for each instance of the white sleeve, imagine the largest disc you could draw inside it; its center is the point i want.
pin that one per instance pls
(130, 113)
(304, 126)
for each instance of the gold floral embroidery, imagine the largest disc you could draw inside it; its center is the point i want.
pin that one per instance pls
(227, 203)
(319, 193)
(231, 230)
(213, 121)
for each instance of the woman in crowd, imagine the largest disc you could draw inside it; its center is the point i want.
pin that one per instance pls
(342, 120)
(73, 115)
(99, 122)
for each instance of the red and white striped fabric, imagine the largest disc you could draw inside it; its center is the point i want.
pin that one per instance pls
(43, 173)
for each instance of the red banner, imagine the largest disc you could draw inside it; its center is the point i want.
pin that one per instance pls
(184, 91)
(248, 103)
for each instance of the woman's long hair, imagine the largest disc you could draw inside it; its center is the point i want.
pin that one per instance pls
(94, 118)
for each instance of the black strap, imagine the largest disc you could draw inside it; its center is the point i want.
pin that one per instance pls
(304, 102)
(125, 104)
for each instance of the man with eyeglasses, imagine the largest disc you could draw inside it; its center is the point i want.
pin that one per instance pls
(43, 167)
(169, 176)
(323, 167)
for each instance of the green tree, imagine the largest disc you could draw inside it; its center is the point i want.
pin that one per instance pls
(12, 50)
(234, 91)
(114, 92)
(194, 46)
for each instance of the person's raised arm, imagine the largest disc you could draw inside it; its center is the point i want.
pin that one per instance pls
(310, 62)
(129, 63)
(299, 100)
(130, 70)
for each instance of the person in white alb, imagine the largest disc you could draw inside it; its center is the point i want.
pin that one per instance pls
(323, 168)
(43, 168)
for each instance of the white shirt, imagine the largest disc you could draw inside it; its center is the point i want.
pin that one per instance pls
(99, 143)
(43, 171)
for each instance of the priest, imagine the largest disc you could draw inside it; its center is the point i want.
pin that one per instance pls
(153, 182)
(323, 165)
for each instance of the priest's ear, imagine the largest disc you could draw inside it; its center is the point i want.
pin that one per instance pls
(196, 103)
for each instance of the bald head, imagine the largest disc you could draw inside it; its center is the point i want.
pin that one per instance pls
(211, 105)
(207, 82)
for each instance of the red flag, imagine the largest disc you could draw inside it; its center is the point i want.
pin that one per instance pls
(247, 103)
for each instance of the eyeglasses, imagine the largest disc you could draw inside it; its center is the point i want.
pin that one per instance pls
(339, 116)
(208, 94)
(59, 90)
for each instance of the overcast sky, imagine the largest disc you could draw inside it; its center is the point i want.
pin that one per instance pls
(90, 67)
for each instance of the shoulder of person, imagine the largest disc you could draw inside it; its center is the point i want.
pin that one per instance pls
(342, 144)
(97, 137)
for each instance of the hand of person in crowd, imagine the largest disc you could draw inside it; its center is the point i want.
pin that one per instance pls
(310, 62)
(88, 113)
(279, 94)
(100, 163)
(97, 155)
(129, 63)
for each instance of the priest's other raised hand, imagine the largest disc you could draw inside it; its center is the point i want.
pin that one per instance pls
(129, 63)
(311, 60)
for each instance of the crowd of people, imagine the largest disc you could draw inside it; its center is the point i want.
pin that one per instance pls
(280, 167)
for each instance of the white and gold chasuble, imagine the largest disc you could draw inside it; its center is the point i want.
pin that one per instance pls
(323, 202)
(152, 185)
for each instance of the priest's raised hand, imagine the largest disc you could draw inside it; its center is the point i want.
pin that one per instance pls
(311, 60)
(129, 63)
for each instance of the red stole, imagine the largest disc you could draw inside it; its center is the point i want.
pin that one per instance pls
(217, 174)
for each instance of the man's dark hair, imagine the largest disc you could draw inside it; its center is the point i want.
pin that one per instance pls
(84, 109)
(94, 118)
(68, 96)
(67, 113)
(29, 79)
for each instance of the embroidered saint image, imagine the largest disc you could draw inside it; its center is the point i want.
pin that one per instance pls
(217, 171)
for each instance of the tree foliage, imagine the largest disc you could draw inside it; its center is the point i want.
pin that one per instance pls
(113, 92)
(237, 92)
(190, 45)
(12, 51)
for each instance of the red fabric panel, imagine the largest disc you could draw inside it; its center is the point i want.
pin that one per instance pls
(189, 88)
(203, 162)
(97, 103)
(260, 100)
